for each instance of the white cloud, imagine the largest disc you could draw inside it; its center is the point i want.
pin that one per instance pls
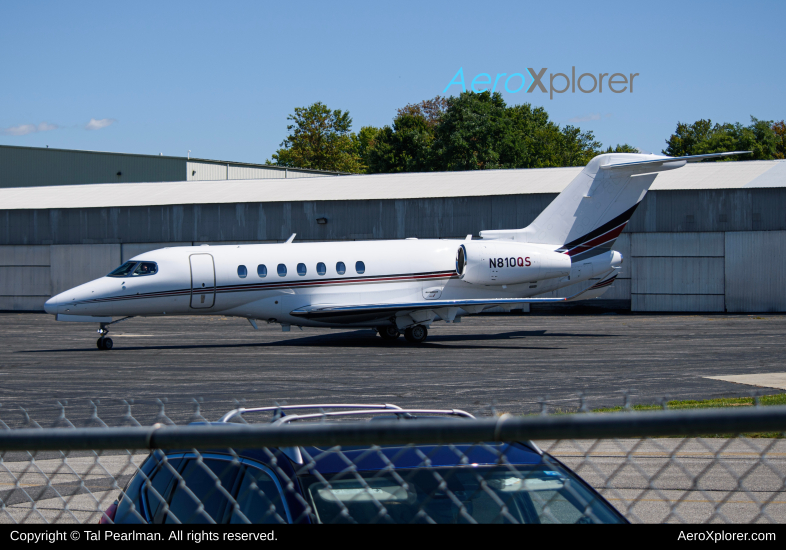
(585, 118)
(98, 124)
(24, 129)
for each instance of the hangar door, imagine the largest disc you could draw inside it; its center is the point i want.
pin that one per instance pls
(203, 281)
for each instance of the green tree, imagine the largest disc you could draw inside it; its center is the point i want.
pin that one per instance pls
(478, 131)
(406, 145)
(704, 137)
(624, 148)
(779, 129)
(320, 139)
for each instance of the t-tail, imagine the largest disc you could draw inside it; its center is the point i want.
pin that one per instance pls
(591, 212)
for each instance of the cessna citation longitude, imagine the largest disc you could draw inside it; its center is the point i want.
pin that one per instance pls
(392, 286)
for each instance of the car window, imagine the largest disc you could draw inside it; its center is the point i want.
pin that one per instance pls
(301, 269)
(321, 268)
(341, 268)
(259, 499)
(201, 490)
(282, 270)
(242, 271)
(124, 270)
(360, 267)
(160, 487)
(262, 270)
(520, 494)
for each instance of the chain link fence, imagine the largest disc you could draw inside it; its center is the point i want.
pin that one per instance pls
(383, 464)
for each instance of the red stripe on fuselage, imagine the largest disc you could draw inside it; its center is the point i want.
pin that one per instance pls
(606, 237)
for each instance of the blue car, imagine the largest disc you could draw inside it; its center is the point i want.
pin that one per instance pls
(462, 483)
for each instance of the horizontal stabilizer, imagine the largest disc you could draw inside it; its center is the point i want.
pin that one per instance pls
(669, 162)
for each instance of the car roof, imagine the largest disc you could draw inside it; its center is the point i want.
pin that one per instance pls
(329, 460)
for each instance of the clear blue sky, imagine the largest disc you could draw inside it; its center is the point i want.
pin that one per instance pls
(220, 78)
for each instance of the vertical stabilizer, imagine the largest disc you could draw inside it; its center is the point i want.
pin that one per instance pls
(590, 213)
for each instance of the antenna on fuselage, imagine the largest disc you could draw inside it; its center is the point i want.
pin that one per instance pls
(290, 239)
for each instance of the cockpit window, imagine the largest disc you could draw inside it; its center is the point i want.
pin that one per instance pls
(124, 270)
(145, 268)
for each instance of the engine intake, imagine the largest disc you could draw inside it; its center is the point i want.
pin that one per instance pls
(498, 263)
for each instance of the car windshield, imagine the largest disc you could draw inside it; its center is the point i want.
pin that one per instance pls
(465, 494)
(124, 270)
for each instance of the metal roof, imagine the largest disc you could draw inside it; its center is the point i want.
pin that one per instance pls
(711, 175)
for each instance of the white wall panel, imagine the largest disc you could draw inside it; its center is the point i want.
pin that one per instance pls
(24, 255)
(677, 244)
(75, 264)
(206, 171)
(756, 271)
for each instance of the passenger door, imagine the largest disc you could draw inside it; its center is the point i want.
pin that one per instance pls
(203, 281)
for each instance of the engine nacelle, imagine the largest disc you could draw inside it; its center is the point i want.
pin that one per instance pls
(495, 263)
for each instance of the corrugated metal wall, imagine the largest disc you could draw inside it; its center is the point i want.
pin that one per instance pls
(31, 167)
(677, 272)
(25, 277)
(213, 171)
(755, 271)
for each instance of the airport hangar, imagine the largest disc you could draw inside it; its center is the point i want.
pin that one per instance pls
(708, 237)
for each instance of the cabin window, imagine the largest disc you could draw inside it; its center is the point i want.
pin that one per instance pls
(146, 268)
(341, 268)
(282, 270)
(321, 268)
(242, 272)
(262, 270)
(124, 270)
(301, 269)
(360, 267)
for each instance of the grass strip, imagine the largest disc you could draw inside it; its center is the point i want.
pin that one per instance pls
(764, 401)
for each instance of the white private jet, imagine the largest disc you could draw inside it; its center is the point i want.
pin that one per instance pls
(392, 286)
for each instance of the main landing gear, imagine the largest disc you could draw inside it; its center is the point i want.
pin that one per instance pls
(388, 333)
(414, 335)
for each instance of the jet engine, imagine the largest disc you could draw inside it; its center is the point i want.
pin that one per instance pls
(495, 263)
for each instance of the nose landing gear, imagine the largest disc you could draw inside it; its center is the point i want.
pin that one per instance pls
(104, 343)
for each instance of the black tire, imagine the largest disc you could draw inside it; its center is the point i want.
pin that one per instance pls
(108, 343)
(100, 343)
(416, 334)
(388, 333)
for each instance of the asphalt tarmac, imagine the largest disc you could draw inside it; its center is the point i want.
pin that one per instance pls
(161, 368)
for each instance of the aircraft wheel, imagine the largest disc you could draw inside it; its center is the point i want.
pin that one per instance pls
(416, 334)
(100, 343)
(108, 343)
(388, 333)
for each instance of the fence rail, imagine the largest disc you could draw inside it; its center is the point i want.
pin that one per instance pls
(504, 428)
(658, 466)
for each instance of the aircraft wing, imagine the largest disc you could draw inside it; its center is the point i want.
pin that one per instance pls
(446, 309)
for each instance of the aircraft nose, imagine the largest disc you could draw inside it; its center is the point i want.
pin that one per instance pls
(50, 306)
